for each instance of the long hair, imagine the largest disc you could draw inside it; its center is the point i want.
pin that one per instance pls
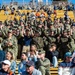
(12, 55)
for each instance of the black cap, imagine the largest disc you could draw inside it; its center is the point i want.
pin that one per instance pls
(29, 63)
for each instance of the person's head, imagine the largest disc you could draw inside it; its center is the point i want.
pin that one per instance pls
(52, 33)
(9, 55)
(23, 56)
(42, 54)
(65, 32)
(52, 47)
(68, 32)
(6, 65)
(27, 32)
(9, 33)
(37, 33)
(68, 56)
(30, 67)
(33, 47)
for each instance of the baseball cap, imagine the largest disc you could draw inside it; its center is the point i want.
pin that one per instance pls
(29, 63)
(68, 54)
(7, 62)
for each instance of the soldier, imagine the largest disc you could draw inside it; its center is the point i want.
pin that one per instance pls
(37, 40)
(43, 63)
(9, 44)
(64, 40)
(51, 38)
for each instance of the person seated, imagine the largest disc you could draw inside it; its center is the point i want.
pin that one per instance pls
(22, 64)
(43, 64)
(30, 69)
(10, 57)
(66, 67)
(5, 70)
(32, 54)
(52, 55)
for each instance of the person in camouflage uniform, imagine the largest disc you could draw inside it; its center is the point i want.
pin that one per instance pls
(10, 44)
(43, 63)
(37, 40)
(64, 41)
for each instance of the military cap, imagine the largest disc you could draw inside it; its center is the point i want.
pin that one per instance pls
(52, 30)
(68, 30)
(9, 31)
(41, 51)
(14, 28)
(51, 23)
(37, 31)
(55, 18)
(40, 22)
(65, 31)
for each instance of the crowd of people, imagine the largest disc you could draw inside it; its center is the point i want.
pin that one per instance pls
(39, 42)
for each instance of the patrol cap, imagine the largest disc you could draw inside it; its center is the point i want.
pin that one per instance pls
(68, 54)
(29, 63)
(40, 23)
(52, 30)
(65, 31)
(36, 31)
(41, 51)
(9, 31)
(68, 30)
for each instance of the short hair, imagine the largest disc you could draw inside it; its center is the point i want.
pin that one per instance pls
(51, 45)
(24, 53)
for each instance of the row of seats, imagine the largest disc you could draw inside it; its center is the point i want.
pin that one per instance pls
(60, 13)
(53, 71)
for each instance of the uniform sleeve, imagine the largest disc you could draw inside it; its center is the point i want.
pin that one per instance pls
(46, 63)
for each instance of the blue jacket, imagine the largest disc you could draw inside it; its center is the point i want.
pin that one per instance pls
(13, 66)
(35, 72)
(2, 56)
(22, 67)
(27, 40)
